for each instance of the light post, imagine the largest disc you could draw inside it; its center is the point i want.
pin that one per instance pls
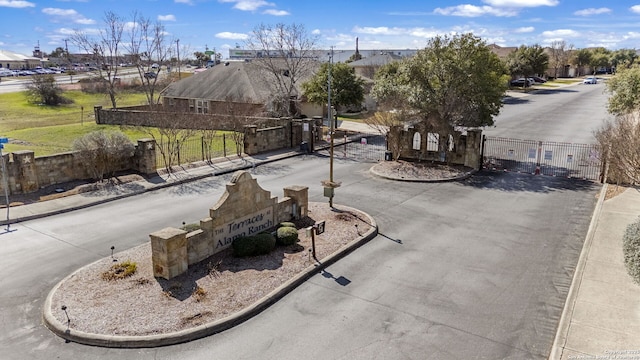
(5, 176)
(330, 185)
(178, 48)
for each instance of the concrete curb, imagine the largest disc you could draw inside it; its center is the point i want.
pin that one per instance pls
(208, 329)
(149, 189)
(567, 313)
(460, 177)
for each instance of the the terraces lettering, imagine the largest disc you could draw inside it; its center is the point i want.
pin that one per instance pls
(247, 226)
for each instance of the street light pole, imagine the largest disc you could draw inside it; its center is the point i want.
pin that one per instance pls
(178, 48)
(5, 176)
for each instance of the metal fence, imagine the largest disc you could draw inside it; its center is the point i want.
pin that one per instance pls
(569, 160)
(360, 146)
(195, 149)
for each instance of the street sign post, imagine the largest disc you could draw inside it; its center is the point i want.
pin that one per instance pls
(4, 140)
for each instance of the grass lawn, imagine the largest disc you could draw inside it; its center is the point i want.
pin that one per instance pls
(49, 130)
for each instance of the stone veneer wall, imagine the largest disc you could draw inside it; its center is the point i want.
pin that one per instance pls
(244, 209)
(28, 173)
(467, 148)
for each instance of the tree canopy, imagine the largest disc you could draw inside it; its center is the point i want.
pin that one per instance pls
(625, 90)
(454, 81)
(528, 60)
(346, 87)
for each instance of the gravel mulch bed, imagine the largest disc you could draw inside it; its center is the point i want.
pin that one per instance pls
(210, 290)
(419, 171)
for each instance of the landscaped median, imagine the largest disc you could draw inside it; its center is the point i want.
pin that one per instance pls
(218, 293)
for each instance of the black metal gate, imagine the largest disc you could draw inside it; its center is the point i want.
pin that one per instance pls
(582, 161)
(360, 147)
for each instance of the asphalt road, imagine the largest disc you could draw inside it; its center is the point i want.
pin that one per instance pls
(476, 269)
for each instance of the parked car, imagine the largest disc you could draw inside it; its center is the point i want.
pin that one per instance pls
(522, 82)
(538, 79)
(590, 80)
(155, 66)
(150, 75)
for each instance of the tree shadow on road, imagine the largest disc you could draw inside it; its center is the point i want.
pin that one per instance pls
(509, 181)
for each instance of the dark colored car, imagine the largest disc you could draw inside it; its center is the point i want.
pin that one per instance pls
(150, 75)
(522, 82)
(538, 80)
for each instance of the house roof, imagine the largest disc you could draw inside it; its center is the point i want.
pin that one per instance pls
(376, 60)
(230, 80)
(6, 55)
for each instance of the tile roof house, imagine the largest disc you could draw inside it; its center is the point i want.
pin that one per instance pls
(242, 83)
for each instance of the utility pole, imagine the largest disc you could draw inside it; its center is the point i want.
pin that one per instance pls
(178, 47)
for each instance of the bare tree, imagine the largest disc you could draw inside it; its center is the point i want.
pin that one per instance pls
(619, 142)
(285, 53)
(560, 54)
(148, 45)
(105, 49)
(103, 152)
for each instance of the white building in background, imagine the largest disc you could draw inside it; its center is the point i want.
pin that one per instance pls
(13, 61)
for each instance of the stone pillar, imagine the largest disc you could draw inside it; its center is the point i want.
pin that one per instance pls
(169, 252)
(307, 133)
(473, 150)
(300, 196)
(145, 156)
(27, 175)
(96, 113)
(250, 139)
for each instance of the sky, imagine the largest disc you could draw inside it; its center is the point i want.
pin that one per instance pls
(218, 25)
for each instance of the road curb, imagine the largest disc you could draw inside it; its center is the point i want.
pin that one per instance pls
(454, 178)
(149, 189)
(560, 339)
(65, 332)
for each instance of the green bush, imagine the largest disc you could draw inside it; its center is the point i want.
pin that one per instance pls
(260, 244)
(631, 250)
(287, 224)
(286, 235)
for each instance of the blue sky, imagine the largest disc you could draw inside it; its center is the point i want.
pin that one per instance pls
(399, 24)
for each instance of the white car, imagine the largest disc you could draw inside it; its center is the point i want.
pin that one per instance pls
(590, 80)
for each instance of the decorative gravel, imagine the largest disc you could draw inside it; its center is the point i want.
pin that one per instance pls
(210, 290)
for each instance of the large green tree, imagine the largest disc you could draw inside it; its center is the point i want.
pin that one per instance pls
(454, 81)
(346, 87)
(580, 59)
(625, 91)
(528, 61)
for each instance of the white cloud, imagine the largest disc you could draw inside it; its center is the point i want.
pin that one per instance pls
(275, 12)
(16, 4)
(248, 5)
(65, 15)
(525, 29)
(316, 32)
(635, 9)
(564, 33)
(231, 36)
(169, 17)
(521, 3)
(467, 10)
(592, 11)
(381, 30)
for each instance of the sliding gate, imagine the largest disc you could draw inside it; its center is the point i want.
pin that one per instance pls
(582, 161)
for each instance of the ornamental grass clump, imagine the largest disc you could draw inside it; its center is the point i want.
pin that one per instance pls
(631, 250)
(120, 271)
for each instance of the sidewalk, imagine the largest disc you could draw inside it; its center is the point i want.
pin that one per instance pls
(75, 202)
(601, 318)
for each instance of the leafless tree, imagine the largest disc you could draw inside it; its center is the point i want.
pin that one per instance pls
(239, 115)
(619, 143)
(560, 53)
(106, 50)
(148, 45)
(102, 152)
(285, 53)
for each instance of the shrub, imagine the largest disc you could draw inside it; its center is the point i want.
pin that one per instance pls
(260, 244)
(190, 227)
(631, 250)
(103, 152)
(120, 270)
(286, 235)
(43, 89)
(287, 224)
